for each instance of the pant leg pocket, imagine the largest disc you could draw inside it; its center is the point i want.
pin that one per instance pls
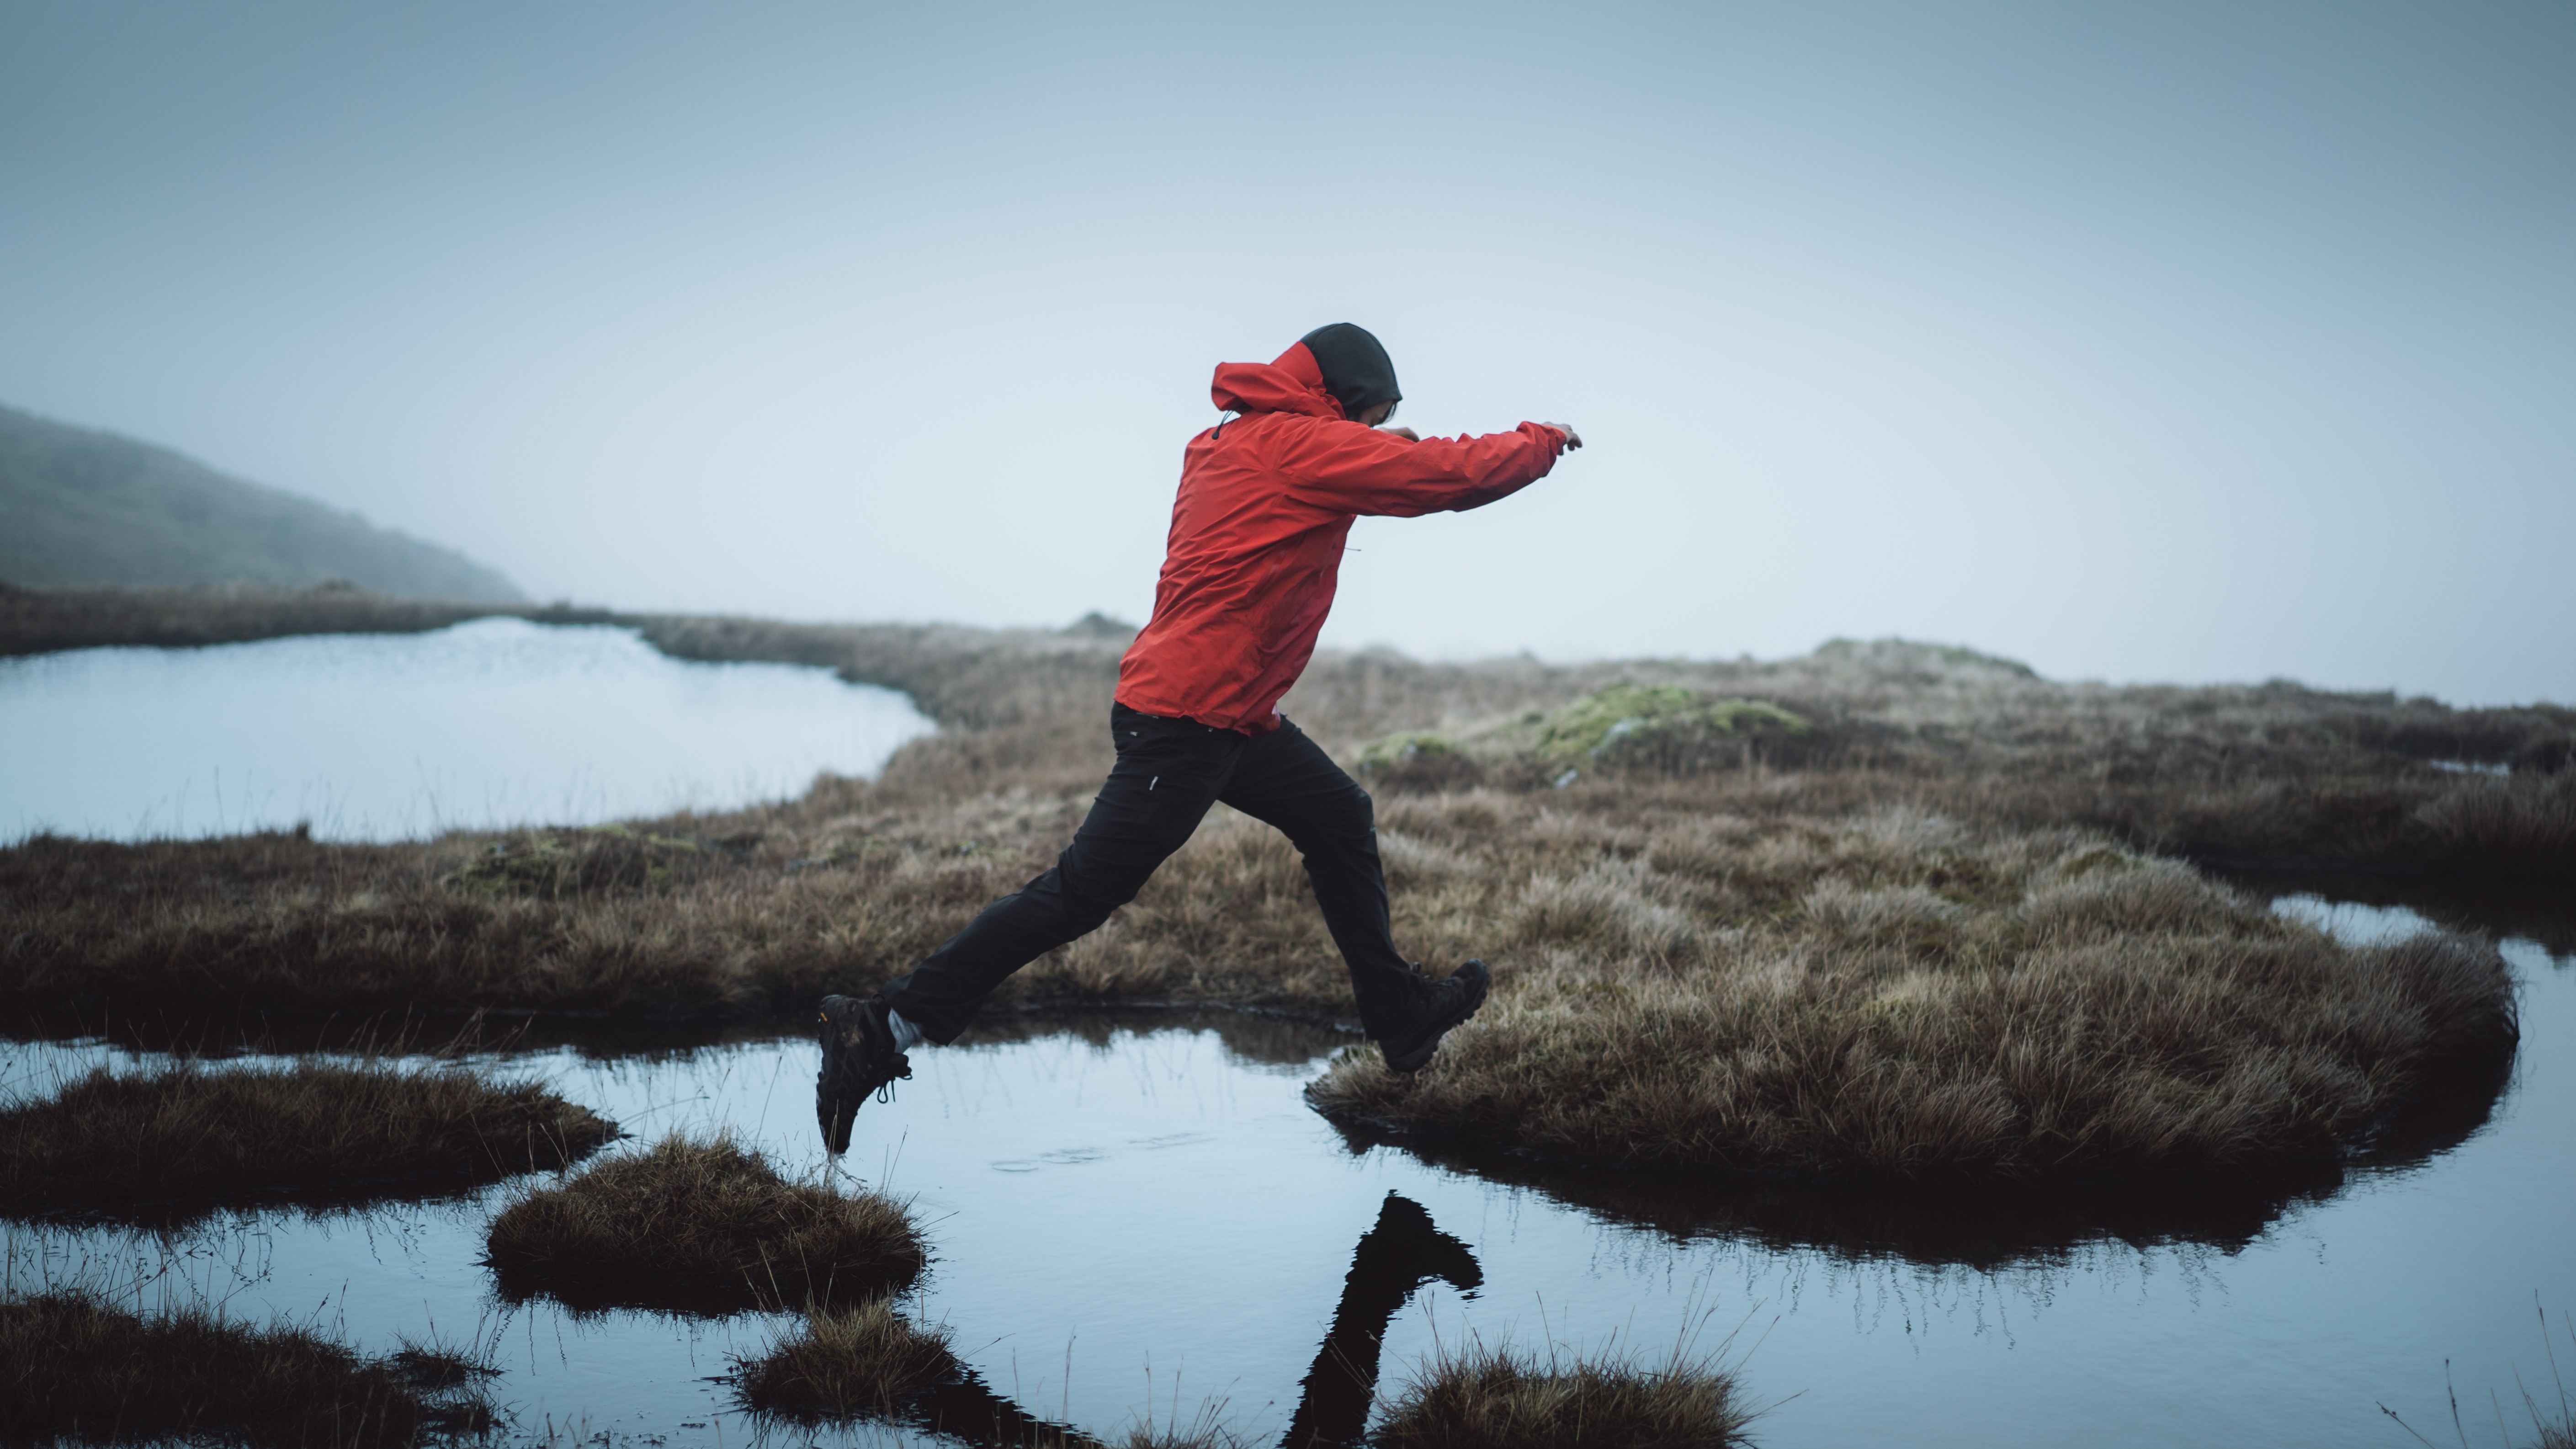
(1180, 786)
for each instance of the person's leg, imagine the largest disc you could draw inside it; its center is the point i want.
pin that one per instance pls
(1167, 775)
(1286, 780)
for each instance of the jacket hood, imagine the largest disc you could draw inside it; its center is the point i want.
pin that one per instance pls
(1292, 383)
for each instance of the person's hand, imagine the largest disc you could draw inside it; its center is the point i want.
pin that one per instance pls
(1573, 439)
(1408, 434)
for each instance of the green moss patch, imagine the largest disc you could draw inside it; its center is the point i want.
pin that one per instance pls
(1661, 726)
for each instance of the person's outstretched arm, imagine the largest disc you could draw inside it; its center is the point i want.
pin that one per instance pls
(1352, 469)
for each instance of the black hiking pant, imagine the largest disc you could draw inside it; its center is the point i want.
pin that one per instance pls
(1169, 772)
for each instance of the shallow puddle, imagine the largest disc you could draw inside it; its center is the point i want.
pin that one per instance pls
(485, 725)
(1142, 1211)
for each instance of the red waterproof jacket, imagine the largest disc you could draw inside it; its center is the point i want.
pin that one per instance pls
(1266, 500)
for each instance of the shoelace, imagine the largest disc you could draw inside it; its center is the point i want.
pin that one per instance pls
(885, 1089)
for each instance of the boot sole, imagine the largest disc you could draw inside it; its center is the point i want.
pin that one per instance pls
(836, 1102)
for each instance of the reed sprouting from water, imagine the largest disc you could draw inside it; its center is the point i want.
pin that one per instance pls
(2551, 1408)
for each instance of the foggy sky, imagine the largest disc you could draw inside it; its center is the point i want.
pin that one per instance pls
(2136, 342)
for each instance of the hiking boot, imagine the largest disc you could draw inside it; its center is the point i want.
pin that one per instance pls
(1442, 1005)
(859, 1057)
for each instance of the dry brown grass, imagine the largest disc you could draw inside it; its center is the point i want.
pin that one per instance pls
(1896, 996)
(75, 1369)
(700, 1224)
(2273, 773)
(186, 1138)
(1882, 901)
(866, 1361)
(1481, 1398)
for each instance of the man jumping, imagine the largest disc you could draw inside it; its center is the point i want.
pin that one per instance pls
(1266, 499)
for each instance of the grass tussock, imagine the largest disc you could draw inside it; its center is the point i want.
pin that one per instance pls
(866, 1361)
(1482, 1398)
(187, 1137)
(700, 1224)
(73, 1368)
(1896, 996)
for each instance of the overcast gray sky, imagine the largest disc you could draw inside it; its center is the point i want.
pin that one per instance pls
(2167, 341)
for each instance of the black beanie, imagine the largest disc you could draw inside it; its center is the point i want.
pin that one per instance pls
(1357, 371)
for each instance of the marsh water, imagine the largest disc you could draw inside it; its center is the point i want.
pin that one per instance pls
(485, 725)
(1138, 1214)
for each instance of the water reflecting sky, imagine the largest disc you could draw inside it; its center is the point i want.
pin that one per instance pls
(1111, 1208)
(493, 723)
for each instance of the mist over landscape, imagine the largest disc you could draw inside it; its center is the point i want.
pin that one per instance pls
(2196, 344)
(1979, 847)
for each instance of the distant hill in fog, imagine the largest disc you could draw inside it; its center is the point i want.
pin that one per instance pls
(82, 508)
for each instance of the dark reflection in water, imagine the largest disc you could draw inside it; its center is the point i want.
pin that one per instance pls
(1983, 1228)
(2002, 1227)
(2546, 914)
(1398, 1255)
(1118, 1180)
(364, 1201)
(1393, 1261)
(968, 1409)
(592, 1296)
(1978, 1229)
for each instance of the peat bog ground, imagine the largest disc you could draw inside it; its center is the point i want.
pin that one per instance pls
(180, 1140)
(76, 1368)
(1996, 1021)
(700, 1224)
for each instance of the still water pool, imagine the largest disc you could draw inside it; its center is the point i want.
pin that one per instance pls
(489, 724)
(1135, 1212)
